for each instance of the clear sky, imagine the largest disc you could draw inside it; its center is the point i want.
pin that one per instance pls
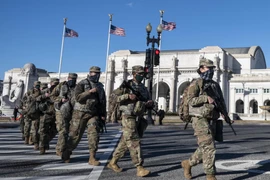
(31, 30)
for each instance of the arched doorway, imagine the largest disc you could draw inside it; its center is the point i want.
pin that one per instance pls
(163, 95)
(266, 102)
(181, 89)
(239, 106)
(253, 107)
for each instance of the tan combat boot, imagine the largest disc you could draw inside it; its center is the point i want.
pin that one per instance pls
(141, 172)
(211, 177)
(36, 146)
(58, 153)
(26, 140)
(113, 165)
(92, 159)
(30, 141)
(187, 169)
(41, 151)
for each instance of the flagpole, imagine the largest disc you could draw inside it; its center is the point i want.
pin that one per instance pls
(62, 47)
(159, 47)
(108, 49)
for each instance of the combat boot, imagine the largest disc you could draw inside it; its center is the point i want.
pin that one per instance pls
(26, 140)
(92, 159)
(58, 153)
(141, 172)
(211, 177)
(30, 141)
(66, 156)
(47, 147)
(113, 165)
(41, 151)
(187, 169)
(36, 146)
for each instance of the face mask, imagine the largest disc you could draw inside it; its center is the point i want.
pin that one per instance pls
(94, 78)
(71, 83)
(37, 86)
(139, 78)
(207, 75)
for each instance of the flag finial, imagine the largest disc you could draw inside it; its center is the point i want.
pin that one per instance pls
(65, 21)
(110, 15)
(161, 13)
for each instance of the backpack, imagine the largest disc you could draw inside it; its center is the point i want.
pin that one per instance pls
(32, 107)
(184, 106)
(114, 113)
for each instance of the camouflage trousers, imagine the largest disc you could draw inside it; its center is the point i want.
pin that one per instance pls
(45, 129)
(130, 140)
(31, 128)
(62, 126)
(52, 129)
(80, 121)
(34, 131)
(206, 151)
(22, 125)
(27, 126)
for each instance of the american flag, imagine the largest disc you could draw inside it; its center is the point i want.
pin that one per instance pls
(71, 33)
(117, 31)
(168, 25)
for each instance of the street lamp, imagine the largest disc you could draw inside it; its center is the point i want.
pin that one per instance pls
(153, 41)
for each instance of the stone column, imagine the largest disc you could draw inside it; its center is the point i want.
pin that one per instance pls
(173, 85)
(232, 101)
(172, 95)
(246, 101)
(260, 100)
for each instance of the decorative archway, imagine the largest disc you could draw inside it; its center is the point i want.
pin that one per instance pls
(163, 95)
(239, 106)
(253, 106)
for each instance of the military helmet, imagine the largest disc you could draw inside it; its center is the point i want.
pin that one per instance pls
(72, 75)
(54, 80)
(206, 62)
(44, 85)
(137, 69)
(37, 83)
(95, 69)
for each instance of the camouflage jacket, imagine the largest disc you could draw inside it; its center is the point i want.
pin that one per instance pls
(46, 104)
(93, 103)
(126, 105)
(63, 91)
(198, 100)
(30, 102)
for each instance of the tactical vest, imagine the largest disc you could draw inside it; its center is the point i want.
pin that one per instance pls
(135, 108)
(32, 109)
(91, 104)
(207, 110)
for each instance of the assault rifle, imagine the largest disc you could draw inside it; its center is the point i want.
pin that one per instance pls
(211, 91)
(100, 121)
(127, 85)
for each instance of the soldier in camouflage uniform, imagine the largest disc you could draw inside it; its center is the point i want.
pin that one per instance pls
(47, 117)
(63, 97)
(32, 115)
(89, 111)
(52, 127)
(204, 124)
(22, 107)
(130, 139)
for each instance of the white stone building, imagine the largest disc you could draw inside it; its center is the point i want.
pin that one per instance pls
(241, 72)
